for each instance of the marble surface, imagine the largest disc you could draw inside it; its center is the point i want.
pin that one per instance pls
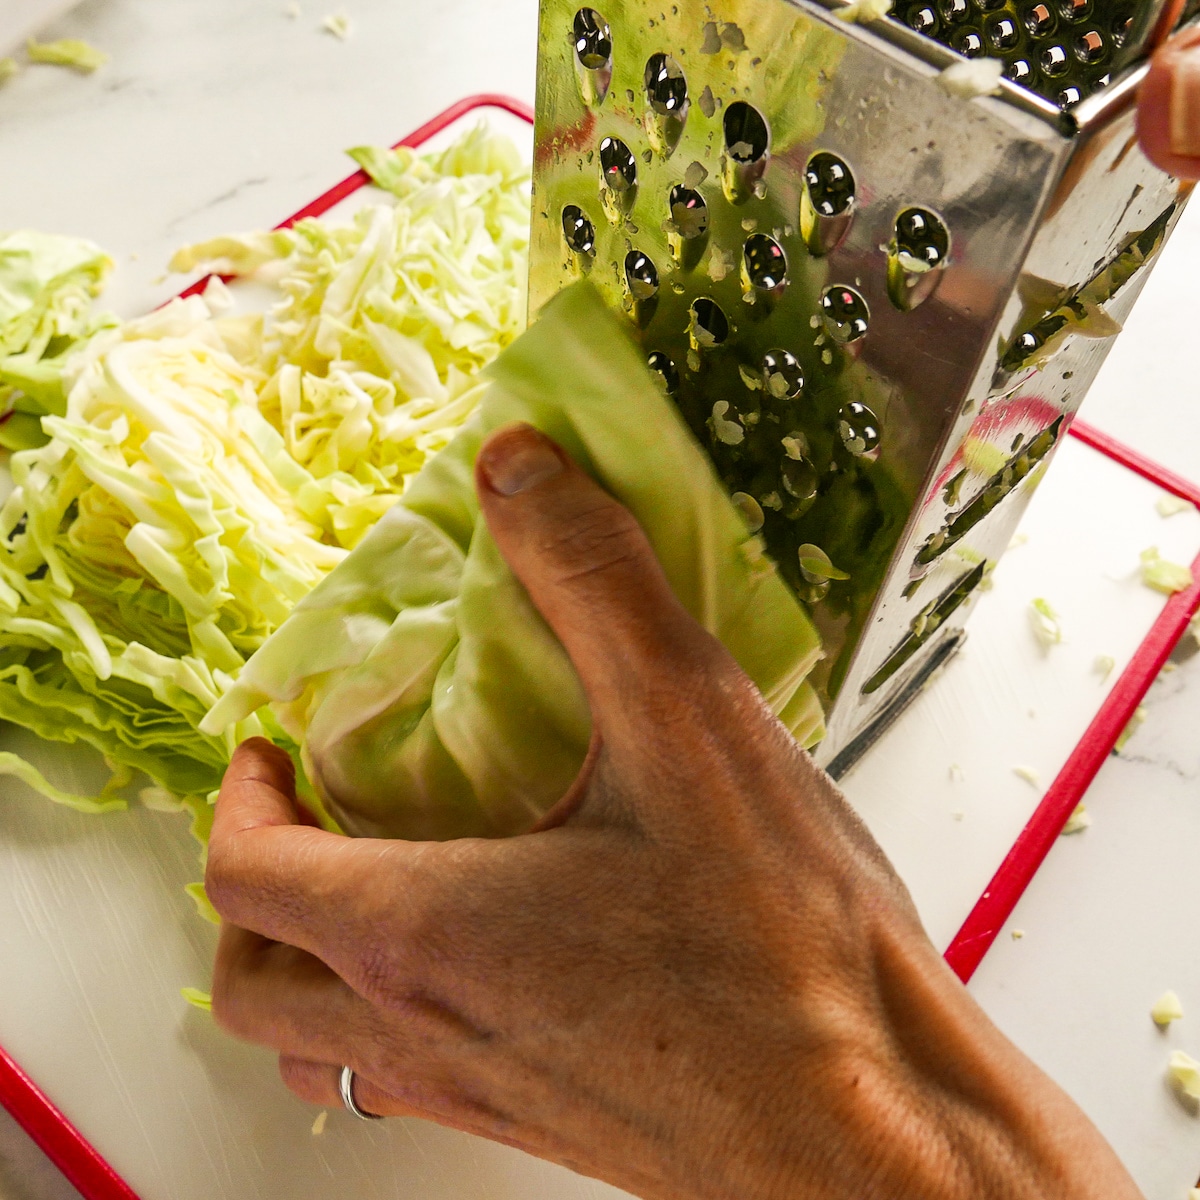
(220, 114)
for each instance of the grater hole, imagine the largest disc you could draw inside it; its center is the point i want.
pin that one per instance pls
(1003, 33)
(746, 135)
(799, 479)
(829, 183)
(709, 324)
(1027, 344)
(618, 179)
(827, 203)
(618, 169)
(666, 371)
(783, 377)
(967, 42)
(920, 247)
(1069, 96)
(1053, 61)
(953, 11)
(578, 232)
(765, 262)
(923, 20)
(666, 85)
(1020, 70)
(1090, 48)
(845, 313)
(1122, 22)
(922, 239)
(1075, 10)
(689, 213)
(858, 429)
(593, 41)
(1039, 20)
(641, 275)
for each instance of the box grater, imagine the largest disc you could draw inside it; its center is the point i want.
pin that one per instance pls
(877, 303)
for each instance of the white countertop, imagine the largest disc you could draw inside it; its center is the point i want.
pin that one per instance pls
(215, 115)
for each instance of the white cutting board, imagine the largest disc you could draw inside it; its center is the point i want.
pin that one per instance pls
(98, 937)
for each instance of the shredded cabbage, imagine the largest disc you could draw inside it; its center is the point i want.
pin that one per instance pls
(1184, 1073)
(863, 11)
(27, 773)
(1134, 724)
(1168, 505)
(1163, 575)
(147, 550)
(47, 285)
(1045, 623)
(337, 24)
(974, 77)
(1079, 820)
(372, 355)
(197, 999)
(67, 52)
(1167, 1008)
(190, 476)
(1028, 774)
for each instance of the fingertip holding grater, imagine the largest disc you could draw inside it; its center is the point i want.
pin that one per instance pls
(878, 302)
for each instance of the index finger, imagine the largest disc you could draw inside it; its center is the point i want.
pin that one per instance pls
(269, 874)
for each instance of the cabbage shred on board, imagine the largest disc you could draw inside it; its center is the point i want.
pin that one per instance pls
(184, 479)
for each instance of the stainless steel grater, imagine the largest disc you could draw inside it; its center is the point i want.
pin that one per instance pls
(878, 304)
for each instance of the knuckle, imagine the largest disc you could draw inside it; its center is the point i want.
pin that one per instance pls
(248, 872)
(699, 695)
(233, 968)
(595, 539)
(230, 1009)
(225, 877)
(420, 922)
(226, 1010)
(376, 977)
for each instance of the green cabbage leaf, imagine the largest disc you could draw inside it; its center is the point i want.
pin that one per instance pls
(428, 696)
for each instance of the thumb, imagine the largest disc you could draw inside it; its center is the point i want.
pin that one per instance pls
(589, 569)
(1169, 107)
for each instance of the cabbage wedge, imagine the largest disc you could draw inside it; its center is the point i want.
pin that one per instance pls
(428, 696)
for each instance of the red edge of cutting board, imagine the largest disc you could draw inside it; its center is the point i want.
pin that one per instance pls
(1029, 851)
(94, 1179)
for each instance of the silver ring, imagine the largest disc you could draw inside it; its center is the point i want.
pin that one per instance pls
(346, 1087)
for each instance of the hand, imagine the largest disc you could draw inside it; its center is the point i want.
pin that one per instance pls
(1169, 106)
(698, 979)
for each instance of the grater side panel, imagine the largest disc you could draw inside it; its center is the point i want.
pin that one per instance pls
(823, 88)
(1085, 259)
(858, 403)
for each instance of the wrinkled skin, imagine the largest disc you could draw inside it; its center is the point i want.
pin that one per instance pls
(699, 979)
(1169, 106)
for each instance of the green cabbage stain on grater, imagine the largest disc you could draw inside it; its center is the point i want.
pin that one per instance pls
(876, 303)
